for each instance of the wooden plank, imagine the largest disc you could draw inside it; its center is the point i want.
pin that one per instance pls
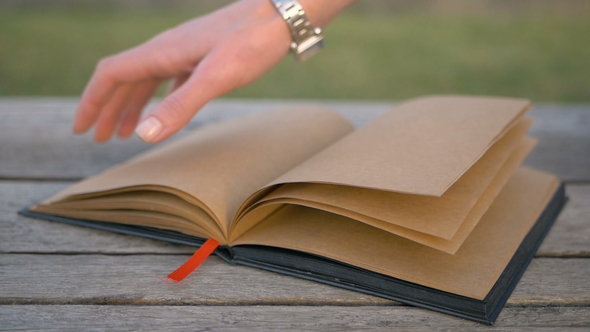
(564, 145)
(569, 237)
(279, 318)
(554, 292)
(37, 142)
(133, 279)
(550, 281)
(100, 279)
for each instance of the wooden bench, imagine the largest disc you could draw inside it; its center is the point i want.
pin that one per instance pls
(55, 276)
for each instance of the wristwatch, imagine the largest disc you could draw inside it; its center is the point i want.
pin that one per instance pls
(307, 40)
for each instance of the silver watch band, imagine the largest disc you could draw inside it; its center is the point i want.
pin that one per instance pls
(307, 40)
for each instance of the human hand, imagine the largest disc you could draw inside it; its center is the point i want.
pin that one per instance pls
(205, 58)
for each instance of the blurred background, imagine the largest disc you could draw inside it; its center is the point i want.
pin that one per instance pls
(378, 49)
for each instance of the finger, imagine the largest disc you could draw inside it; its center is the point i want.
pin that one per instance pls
(134, 65)
(176, 110)
(97, 93)
(221, 71)
(137, 102)
(231, 64)
(107, 78)
(109, 116)
(177, 82)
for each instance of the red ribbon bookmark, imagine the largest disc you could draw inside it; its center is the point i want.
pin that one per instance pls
(196, 259)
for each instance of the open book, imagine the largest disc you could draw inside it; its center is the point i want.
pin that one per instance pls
(427, 204)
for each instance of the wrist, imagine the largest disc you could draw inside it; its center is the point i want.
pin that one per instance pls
(307, 40)
(307, 37)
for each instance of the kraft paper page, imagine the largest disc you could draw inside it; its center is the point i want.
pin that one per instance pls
(139, 218)
(466, 223)
(438, 217)
(220, 168)
(144, 203)
(471, 272)
(222, 164)
(420, 147)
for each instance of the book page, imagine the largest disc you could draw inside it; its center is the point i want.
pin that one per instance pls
(420, 147)
(471, 272)
(417, 217)
(138, 218)
(220, 165)
(108, 207)
(465, 223)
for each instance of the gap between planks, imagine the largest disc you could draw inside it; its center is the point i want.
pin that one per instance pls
(540, 254)
(114, 301)
(133, 280)
(278, 318)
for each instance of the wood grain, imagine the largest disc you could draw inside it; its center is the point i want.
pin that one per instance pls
(61, 277)
(83, 279)
(271, 318)
(133, 279)
(43, 126)
(564, 141)
(569, 236)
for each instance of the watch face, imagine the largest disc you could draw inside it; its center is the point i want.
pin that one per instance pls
(309, 47)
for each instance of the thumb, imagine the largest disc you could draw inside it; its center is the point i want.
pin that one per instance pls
(173, 113)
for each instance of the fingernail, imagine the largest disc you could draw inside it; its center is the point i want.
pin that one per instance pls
(149, 129)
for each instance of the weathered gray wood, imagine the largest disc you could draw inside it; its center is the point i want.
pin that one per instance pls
(95, 279)
(550, 281)
(92, 279)
(564, 145)
(74, 265)
(569, 236)
(297, 318)
(37, 141)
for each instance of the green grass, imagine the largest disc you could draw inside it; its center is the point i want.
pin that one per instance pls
(368, 56)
